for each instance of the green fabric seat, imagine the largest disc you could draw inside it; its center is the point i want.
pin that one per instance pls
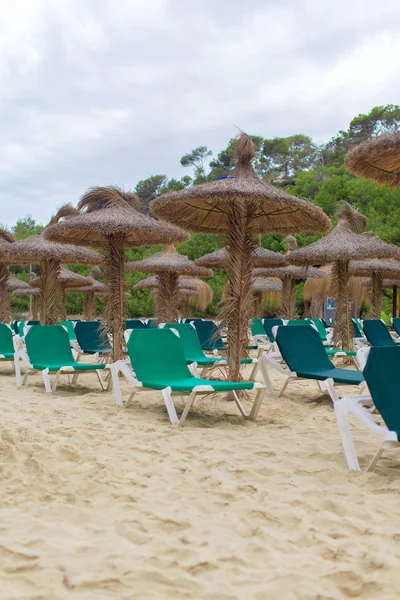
(257, 327)
(192, 348)
(159, 361)
(269, 324)
(382, 376)
(298, 322)
(48, 347)
(396, 324)
(208, 334)
(377, 333)
(69, 326)
(91, 338)
(304, 353)
(6, 342)
(357, 330)
(320, 327)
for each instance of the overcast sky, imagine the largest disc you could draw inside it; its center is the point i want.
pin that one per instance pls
(97, 92)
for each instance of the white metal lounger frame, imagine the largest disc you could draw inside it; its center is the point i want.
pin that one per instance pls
(22, 357)
(167, 394)
(360, 407)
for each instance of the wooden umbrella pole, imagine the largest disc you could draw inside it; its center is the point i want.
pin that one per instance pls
(292, 299)
(342, 334)
(49, 292)
(4, 294)
(35, 307)
(376, 295)
(63, 303)
(114, 312)
(394, 302)
(238, 305)
(167, 297)
(286, 310)
(89, 306)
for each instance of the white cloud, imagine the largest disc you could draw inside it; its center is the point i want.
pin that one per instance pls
(98, 91)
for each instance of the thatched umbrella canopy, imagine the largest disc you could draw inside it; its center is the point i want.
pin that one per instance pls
(345, 242)
(6, 240)
(378, 269)
(29, 291)
(239, 207)
(13, 283)
(153, 282)
(37, 249)
(168, 265)
(315, 290)
(260, 287)
(67, 280)
(96, 288)
(261, 257)
(377, 159)
(109, 219)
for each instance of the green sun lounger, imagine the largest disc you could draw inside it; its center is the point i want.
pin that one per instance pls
(268, 326)
(135, 324)
(48, 350)
(91, 338)
(305, 356)
(377, 333)
(208, 335)
(159, 363)
(382, 376)
(7, 349)
(193, 351)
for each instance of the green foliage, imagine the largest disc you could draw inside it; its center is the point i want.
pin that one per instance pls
(25, 227)
(196, 159)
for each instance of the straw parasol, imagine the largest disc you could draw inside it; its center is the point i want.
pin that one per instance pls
(67, 280)
(6, 240)
(13, 283)
(345, 242)
(109, 219)
(260, 287)
(315, 290)
(168, 265)
(50, 256)
(96, 288)
(377, 159)
(388, 283)
(29, 291)
(261, 257)
(239, 207)
(377, 269)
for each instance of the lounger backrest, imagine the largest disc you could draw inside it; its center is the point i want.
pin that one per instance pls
(382, 376)
(69, 326)
(302, 349)
(377, 333)
(91, 337)
(189, 339)
(298, 322)
(157, 354)
(358, 333)
(48, 345)
(320, 327)
(6, 340)
(269, 324)
(396, 324)
(257, 327)
(208, 335)
(135, 324)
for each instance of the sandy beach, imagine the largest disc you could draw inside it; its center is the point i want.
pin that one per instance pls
(116, 503)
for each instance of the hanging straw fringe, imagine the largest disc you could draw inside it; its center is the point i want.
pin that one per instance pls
(4, 295)
(238, 306)
(49, 292)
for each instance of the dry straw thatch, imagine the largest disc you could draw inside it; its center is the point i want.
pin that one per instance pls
(35, 293)
(13, 283)
(6, 242)
(168, 265)
(239, 206)
(261, 257)
(109, 219)
(377, 159)
(378, 269)
(264, 287)
(345, 242)
(37, 249)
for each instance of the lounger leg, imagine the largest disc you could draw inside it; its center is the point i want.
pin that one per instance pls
(319, 386)
(75, 377)
(26, 374)
(55, 383)
(257, 404)
(128, 402)
(239, 404)
(376, 457)
(188, 406)
(254, 371)
(288, 380)
(266, 377)
(173, 417)
(341, 413)
(103, 386)
(116, 385)
(46, 380)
